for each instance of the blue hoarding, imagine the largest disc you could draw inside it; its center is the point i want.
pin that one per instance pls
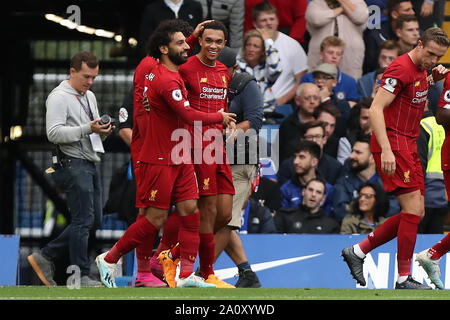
(314, 261)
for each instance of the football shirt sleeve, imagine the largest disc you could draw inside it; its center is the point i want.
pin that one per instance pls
(175, 95)
(394, 78)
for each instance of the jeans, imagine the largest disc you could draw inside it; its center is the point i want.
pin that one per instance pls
(81, 182)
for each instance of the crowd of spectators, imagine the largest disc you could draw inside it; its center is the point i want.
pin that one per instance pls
(318, 65)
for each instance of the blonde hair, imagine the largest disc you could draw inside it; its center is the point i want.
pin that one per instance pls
(253, 33)
(332, 41)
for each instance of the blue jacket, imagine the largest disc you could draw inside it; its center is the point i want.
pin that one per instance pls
(291, 195)
(346, 190)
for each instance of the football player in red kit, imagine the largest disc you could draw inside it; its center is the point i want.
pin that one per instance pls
(429, 258)
(395, 116)
(147, 261)
(207, 83)
(165, 176)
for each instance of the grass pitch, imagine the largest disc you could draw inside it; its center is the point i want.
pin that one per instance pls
(161, 294)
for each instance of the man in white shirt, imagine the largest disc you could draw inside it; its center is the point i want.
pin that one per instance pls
(293, 58)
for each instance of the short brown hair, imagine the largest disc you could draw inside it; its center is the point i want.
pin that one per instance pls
(327, 108)
(264, 6)
(314, 124)
(390, 45)
(84, 56)
(331, 41)
(405, 18)
(437, 35)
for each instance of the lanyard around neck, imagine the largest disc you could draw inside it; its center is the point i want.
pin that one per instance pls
(87, 108)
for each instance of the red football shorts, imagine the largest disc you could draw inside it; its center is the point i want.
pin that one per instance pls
(214, 179)
(408, 175)
(161, 186)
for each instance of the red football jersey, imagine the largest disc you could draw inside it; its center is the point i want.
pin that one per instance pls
(139, 113)
(169, 110)
(402, 117)
(444, 102)
(207, 87)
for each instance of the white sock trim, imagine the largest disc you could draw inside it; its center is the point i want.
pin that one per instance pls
(357, 250)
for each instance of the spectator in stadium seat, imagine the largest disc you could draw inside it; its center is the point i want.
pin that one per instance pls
(304, 162)
(291, 14)
(389, 51)
(73, 125)
(325, 77)
(328, 167)
(332, 50)
(360, 168)
(307, 99)
(293, 58)
(407, 31)
(359, 124)
(345, 19)
(308, 216)
(330, 115)
(260, 58)
(367, 211)
(386, 31)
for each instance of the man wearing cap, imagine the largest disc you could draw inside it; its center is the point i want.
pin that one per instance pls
(325, 77)
(332, 51)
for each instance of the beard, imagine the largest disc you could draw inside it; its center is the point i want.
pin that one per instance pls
(356, 167)
(177, 57)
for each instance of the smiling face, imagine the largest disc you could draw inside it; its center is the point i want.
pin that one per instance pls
(366, 199)
(212, 42)
(178, 49)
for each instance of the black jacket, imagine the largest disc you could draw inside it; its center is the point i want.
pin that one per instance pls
(157, 11)
(300, 220)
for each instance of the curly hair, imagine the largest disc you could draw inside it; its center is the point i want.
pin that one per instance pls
(163, 35)
(381, 201)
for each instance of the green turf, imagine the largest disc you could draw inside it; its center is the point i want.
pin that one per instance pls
(63, 293)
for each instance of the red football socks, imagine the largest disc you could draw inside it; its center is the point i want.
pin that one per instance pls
(206, 254)
(144, 251)
(138, 233)
(406, 240)
(170, 233)
(403, 226)
(188, 238)
(384, 233)
(440, 248)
